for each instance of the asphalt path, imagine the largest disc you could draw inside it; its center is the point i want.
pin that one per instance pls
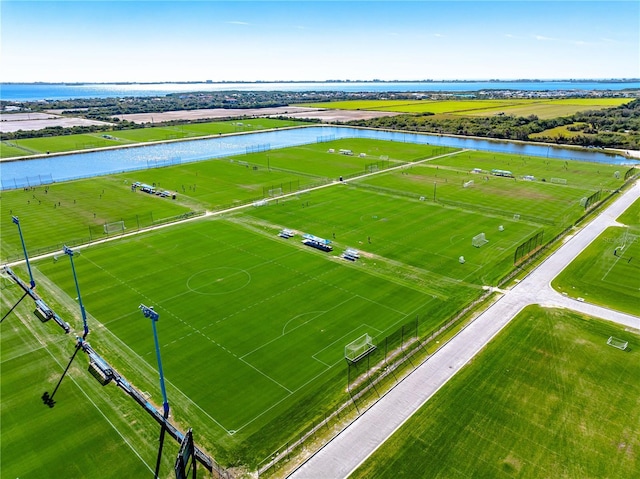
(344, 453)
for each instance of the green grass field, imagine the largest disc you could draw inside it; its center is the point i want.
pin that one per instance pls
(517, 107)
(75, 212)
(253, 326)
(547, 398)
(602, 277)
(426, 237)
(559, 131)
(63, 143)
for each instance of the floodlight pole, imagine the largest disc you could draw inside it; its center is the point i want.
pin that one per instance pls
(68, 251)
(14, 306)
(148, 312)
(47, 398)
(24, 248)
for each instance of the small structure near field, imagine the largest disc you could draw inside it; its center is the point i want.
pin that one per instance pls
(286, 234)
(316, 242)
(479, 240)
(505, 173)
(351, 254)
(617, 343)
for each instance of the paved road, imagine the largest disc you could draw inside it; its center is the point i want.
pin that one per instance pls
(356, 443)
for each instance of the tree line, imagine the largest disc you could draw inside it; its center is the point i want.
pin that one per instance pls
(617, 127)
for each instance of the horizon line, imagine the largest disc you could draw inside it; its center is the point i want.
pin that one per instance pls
(491, 80)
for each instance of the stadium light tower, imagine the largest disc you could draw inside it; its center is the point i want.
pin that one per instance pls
(24, 248)
(153, 316)
(46, 397)
(68, 251)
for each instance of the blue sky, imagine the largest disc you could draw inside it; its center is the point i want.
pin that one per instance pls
(144, 41)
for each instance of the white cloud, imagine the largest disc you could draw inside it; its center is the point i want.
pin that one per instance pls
(237, 23)
(439, 35)
(543, 38)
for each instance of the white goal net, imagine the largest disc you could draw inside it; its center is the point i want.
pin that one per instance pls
(559, 181)
(275, 192)
(116, 227)
(617, 343)
(359, 348)
(479, 240)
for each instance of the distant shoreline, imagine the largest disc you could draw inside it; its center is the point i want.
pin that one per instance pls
(40, 91)
(261, 82)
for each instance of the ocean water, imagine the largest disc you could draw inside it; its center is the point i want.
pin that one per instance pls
(42, 91)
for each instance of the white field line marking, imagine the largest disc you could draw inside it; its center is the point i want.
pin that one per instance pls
(612, 266)
(266, 376)
(28, 351)
(275, 339)
(317, 313)
(364, 298)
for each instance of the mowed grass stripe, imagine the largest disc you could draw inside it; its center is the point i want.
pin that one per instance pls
(543, 399)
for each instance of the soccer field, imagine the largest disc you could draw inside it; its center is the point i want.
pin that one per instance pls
(608, 271)
(253, 326)
(547, 398)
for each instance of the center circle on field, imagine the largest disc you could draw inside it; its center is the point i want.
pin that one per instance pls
(222, 280)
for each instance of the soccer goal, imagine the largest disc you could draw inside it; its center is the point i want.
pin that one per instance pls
(559, 181)
(479, 240)
(468, 184)
(372, 168)
(359, 348)
(116, 227)
(275, 192)
(617, 343)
